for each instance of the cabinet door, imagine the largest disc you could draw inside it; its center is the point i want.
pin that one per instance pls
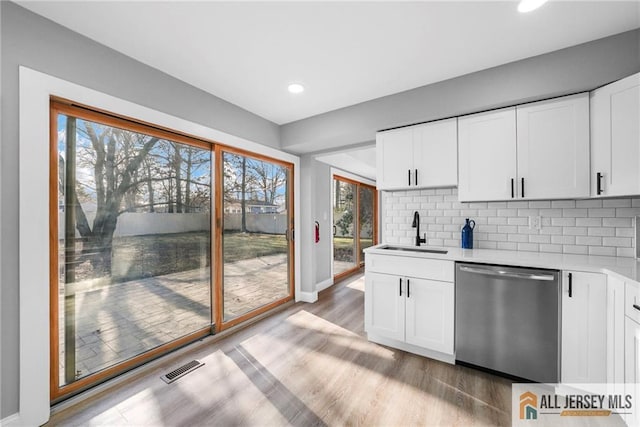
(632, 365)
(430, 314)
(435, 154)
(615, 330)
(487, 155)
(615, 138)
(584, 334)
(394, 159)
(553, 148)
(384, 305)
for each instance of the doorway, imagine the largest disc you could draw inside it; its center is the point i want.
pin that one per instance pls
(354, 224)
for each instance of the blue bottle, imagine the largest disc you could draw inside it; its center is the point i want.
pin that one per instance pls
(467, 234)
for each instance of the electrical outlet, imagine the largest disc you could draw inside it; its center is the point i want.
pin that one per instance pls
(535, 222)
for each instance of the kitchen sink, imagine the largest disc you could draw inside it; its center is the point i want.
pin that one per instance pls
(416, 249)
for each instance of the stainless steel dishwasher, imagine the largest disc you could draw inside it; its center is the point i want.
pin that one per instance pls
(508, 320)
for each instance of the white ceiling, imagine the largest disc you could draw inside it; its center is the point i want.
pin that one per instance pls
(359, 161)
(344, 53)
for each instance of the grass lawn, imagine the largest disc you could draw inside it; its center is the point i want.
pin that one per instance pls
(136, 257)
(239, 246)
(347, 243)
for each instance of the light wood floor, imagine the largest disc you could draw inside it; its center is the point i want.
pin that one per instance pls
(308, 365)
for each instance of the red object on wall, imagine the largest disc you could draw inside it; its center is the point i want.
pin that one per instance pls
(317, 231)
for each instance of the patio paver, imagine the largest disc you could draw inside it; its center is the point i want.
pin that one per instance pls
(119, 321)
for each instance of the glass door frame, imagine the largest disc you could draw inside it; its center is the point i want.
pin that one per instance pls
(220, 324)
(359, 261)
(62, 106)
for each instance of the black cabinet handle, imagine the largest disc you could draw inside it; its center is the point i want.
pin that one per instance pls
(416, 177)
(409, 170)
(522, 185)
(570, 285)
(400, 286)
(636, 306)
(512, 182)
(408, 288)
(599, 183)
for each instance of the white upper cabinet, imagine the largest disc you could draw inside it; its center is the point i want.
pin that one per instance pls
(435, 152)
(394, 158)
(615, 138)
(418, 156)
(487, 157)
(535, 151)
(553, 148)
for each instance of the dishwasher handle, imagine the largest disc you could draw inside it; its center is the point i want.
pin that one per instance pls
(509, 274)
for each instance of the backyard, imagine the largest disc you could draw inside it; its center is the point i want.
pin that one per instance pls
(160, 291)
(136, 257)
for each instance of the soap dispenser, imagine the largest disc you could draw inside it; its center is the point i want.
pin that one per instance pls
(467, 234)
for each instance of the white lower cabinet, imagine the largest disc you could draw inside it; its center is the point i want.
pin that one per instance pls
(429, 314)
(615, 330)
(384, 306)
(632, 346)
(584, 328)
(632, 365)
(632, 351)
(414, 314)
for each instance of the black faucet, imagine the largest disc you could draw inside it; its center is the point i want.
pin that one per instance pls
(416, 225)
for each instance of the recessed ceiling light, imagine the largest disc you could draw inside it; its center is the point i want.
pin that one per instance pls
(296, 88)
(529, 5)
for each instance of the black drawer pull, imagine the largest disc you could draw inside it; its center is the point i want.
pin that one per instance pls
(408, 288)
(400, 286)
(636, 306)
(570, 285)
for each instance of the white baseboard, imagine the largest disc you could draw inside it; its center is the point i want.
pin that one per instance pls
(11, 420)
(324, 284)
(307, 297)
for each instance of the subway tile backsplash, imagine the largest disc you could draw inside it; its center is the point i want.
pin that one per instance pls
(593, 227)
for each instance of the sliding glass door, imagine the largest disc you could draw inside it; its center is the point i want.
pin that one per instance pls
(132, 267)
(354, 224)
(345, 257)
(138, 264)
(256, 242)
(366, 218)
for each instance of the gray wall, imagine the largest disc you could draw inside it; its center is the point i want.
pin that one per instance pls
(323, 256)
(316, 259)
(575, 69)
(30, 40)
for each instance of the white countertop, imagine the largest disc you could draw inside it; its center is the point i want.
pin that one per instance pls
(625, 268)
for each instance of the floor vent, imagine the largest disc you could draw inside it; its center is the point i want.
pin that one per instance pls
(181, 371)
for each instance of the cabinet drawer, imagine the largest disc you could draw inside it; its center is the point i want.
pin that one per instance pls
(433, 269)
(631, 298)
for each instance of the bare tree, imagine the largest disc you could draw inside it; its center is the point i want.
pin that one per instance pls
(116, 156)
(269, 178)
